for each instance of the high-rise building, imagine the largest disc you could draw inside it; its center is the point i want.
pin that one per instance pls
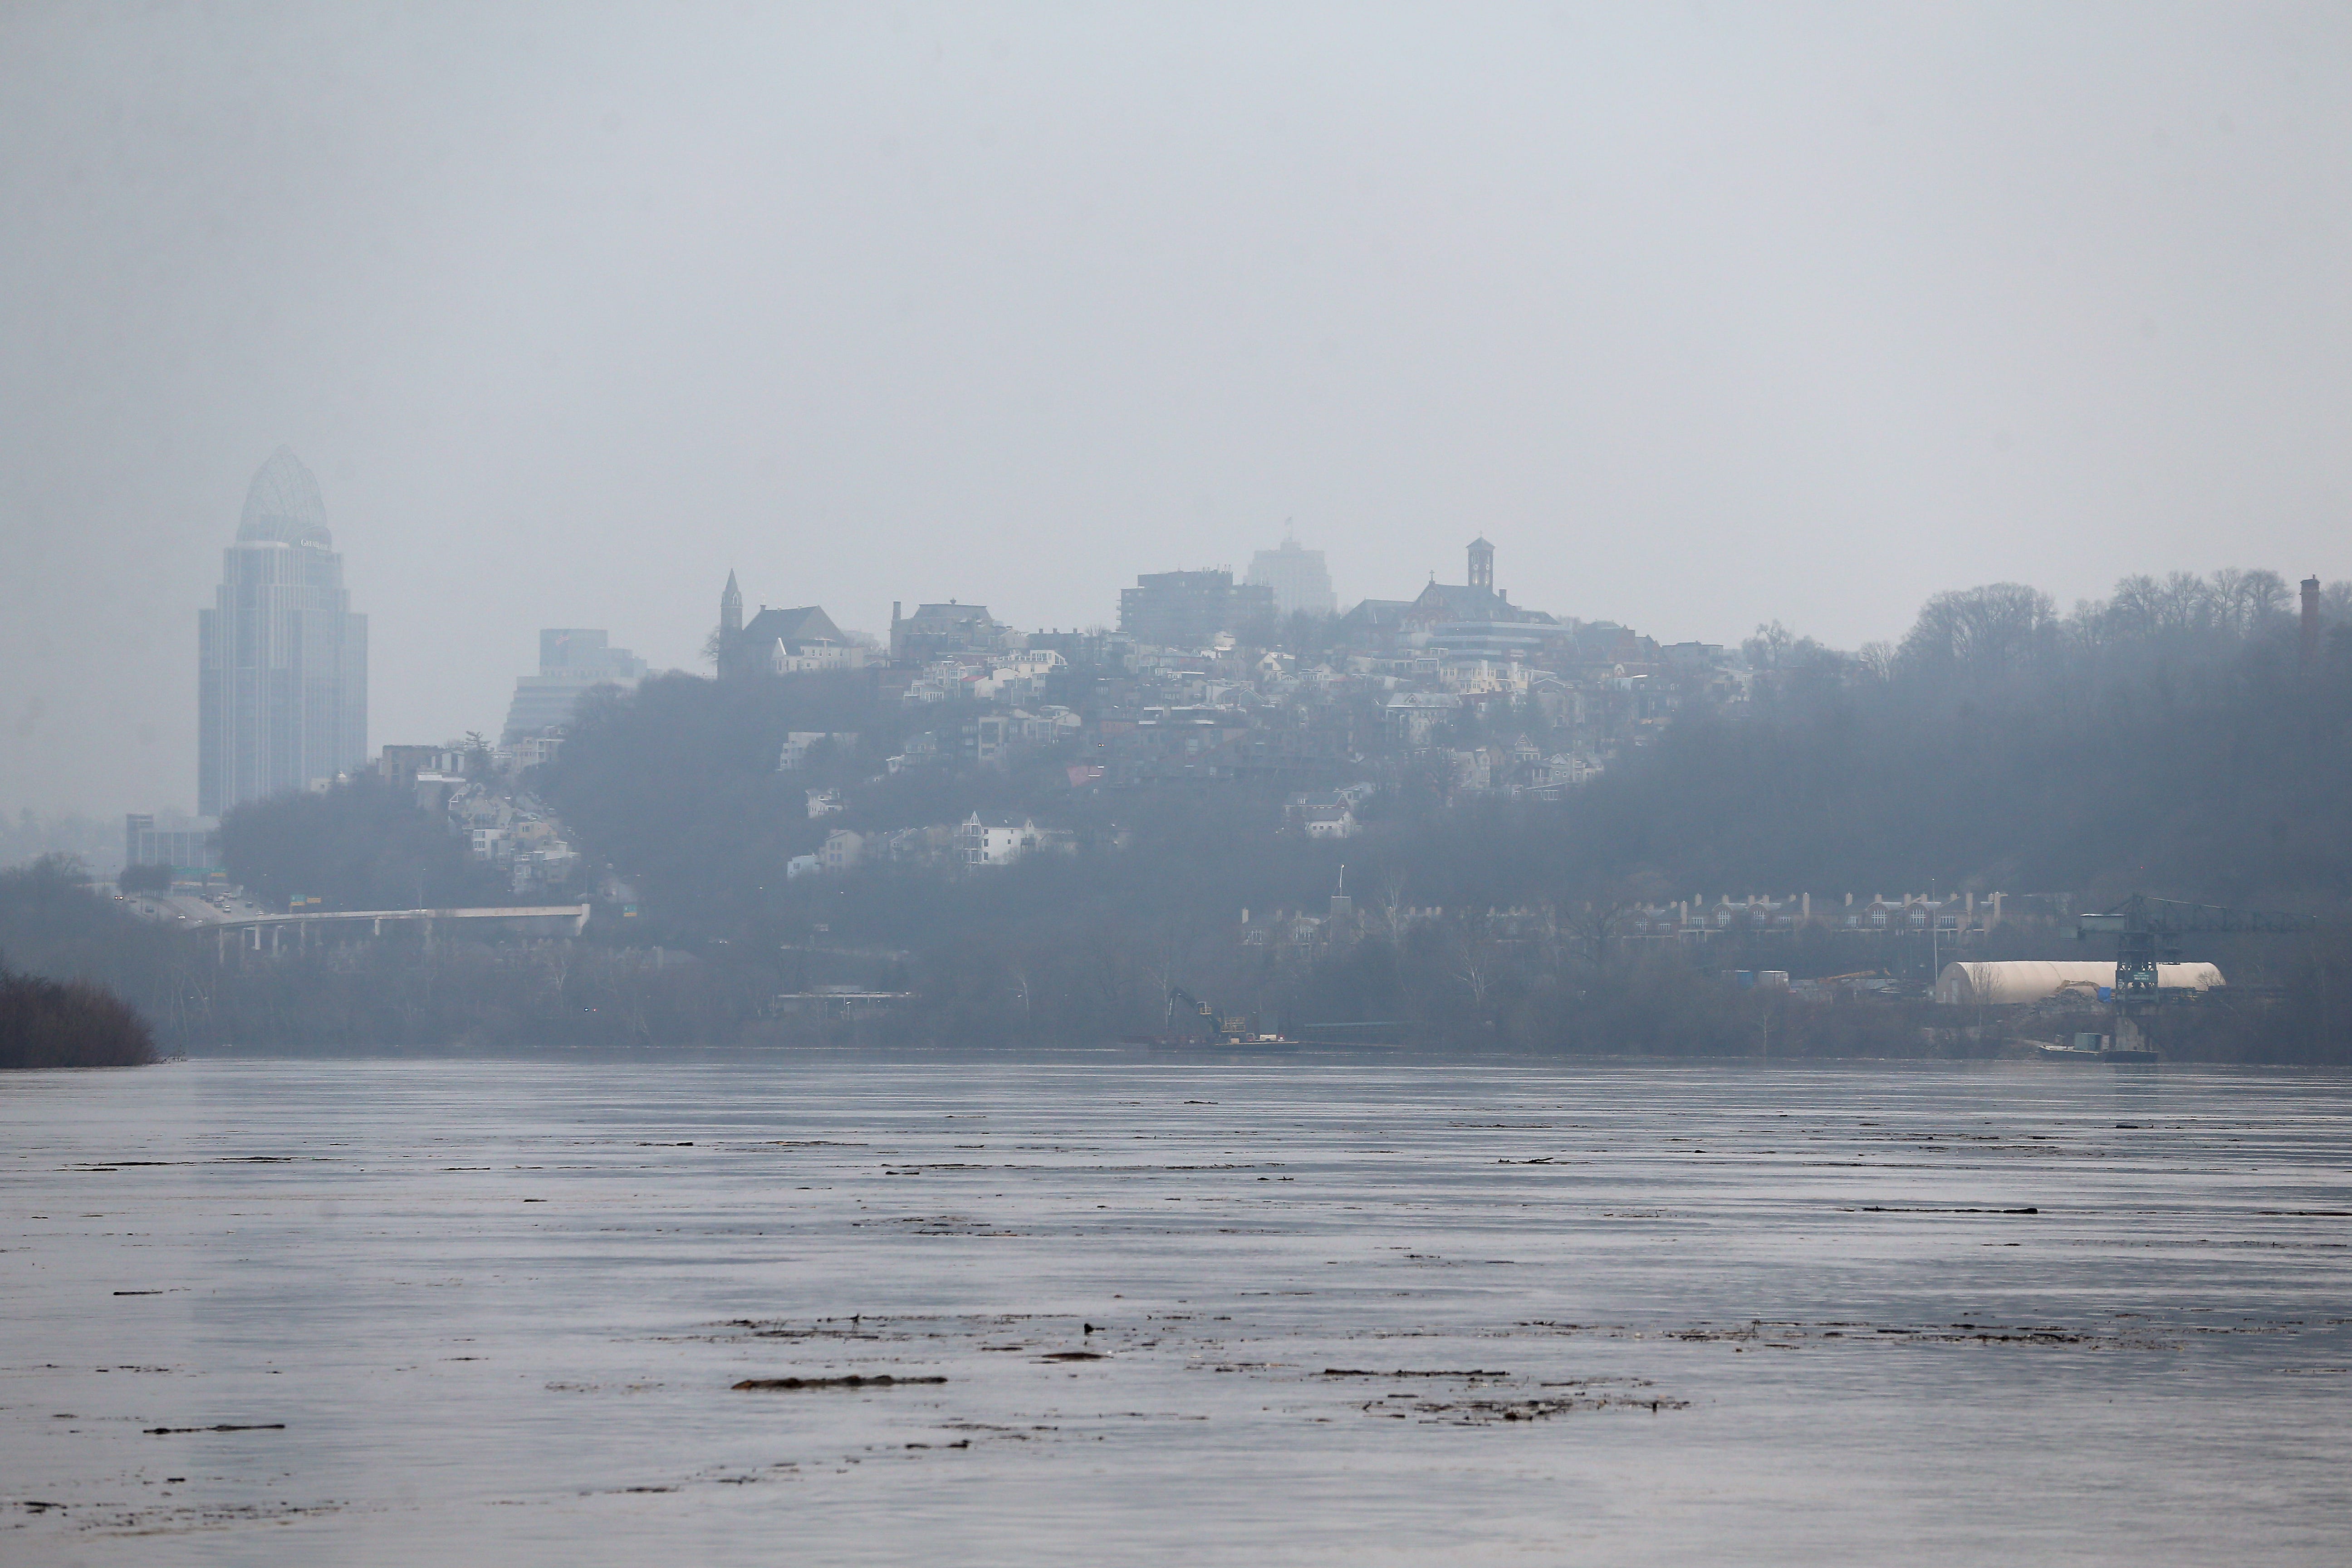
(1190, 609)
(281, 695)
(1298, 577)
(572, 659)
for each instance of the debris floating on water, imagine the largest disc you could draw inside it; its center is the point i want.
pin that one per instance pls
(224, 1427)
(787, 1384)
(1365, 1372)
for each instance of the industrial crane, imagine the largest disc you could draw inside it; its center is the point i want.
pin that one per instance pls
(2147, 929)
(1226, 1028)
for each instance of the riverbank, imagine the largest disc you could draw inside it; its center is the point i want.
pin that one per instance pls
(66, 1024)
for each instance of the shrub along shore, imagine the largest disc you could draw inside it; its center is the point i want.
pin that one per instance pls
(68, 1023)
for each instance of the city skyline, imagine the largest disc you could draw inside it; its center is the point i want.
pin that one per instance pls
(283, 570)
(1709, 318)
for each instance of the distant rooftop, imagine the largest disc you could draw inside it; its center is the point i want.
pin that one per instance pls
(283, 505)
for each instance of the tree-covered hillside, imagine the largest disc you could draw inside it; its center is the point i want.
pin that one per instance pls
(2001, 747)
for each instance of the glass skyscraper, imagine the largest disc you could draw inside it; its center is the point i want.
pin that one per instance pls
(282, 661)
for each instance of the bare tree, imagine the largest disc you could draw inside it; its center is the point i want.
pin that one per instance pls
(1612, 909)
(2265, 594)
(1391, 905)
(1172, 942)
(1595, 922)
(2229, 607)
(2137, 607)
(1992, 633)
(1770, 646)
(1475, 958)
(2185, 603)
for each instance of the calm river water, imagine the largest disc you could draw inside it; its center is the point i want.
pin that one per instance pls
(1302, 1309)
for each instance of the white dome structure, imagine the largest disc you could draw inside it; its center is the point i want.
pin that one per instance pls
(2015, 983)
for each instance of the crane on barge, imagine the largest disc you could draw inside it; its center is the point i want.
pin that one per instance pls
(1218, 1028)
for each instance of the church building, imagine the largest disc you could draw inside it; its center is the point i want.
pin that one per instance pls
(780, 641)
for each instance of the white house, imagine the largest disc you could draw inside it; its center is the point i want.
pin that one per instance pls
(1324, 814)
(992, 838)
(820, 653)
(1018, 678)
(1329, 822)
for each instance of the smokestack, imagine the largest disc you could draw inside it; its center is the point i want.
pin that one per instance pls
(2310, 620)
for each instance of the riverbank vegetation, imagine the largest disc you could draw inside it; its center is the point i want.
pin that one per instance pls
(68, 1023)
(1445, 982)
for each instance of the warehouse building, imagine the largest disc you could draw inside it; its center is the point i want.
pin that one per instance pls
(2020, 983)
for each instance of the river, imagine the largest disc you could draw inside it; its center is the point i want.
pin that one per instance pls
(1315, 1309)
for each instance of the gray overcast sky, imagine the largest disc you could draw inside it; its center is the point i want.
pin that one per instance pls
(1705, 314)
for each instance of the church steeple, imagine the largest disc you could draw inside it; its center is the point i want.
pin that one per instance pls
(1482, 565)
(731, 608)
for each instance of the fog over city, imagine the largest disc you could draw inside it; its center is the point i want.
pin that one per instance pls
(1706, 315)
(1334, 784)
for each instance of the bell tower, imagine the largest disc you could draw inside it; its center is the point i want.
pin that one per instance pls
(1482, 565)
(731, 608)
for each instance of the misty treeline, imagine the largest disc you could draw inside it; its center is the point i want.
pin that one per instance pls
(57, 934)
(2173, 740)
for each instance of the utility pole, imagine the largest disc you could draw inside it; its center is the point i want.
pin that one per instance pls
(1934, 925)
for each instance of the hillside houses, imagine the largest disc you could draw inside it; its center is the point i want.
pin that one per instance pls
(1458, 687)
